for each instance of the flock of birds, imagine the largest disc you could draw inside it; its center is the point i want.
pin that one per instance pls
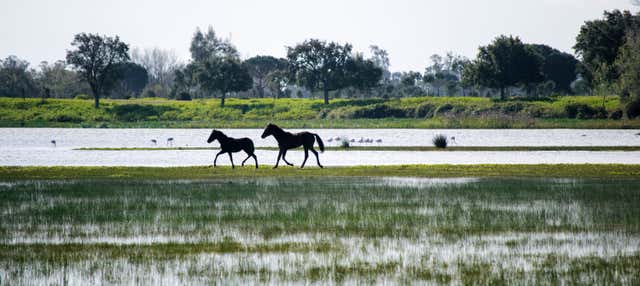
(169, 141)
(361, 140)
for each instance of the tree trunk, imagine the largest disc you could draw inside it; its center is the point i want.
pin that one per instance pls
(502, 93)
(326, 95)
(222, 99)
(96, 97)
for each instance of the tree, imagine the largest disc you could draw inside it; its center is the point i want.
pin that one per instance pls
(628, 63)
(319, 65)
(504, 63)
(410, 78)
(380, 58)
(131, 77)
(445, 72)
(598, 43)
(207, 45)
(558, 67)
(260, 67)
(223, 75)
(362, 73)
(60, 81)
(186, 81)
(16, 80)
(160, 64)
(95, 57)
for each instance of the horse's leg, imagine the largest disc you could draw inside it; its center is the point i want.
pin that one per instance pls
(284, 153)
(278, 161)
(255, 159)
(306, 155)
(317, 158)
(231, 158)
(216, 159)
(249, 156)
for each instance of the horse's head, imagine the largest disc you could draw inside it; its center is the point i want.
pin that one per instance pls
(215, 134)
(268, 130)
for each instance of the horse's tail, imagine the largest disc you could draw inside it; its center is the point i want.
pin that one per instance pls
(320, 143)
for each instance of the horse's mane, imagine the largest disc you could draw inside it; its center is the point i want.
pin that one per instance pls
(220, 134)
(276, 128)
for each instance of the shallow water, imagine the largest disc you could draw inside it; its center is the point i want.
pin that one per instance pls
(318, 231)
(16, 138)
(33, 147)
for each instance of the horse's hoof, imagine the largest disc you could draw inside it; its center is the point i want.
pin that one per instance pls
(275, 167)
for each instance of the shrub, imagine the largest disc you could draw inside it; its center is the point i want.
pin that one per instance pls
(67, 118)
(633, 109)
(137, 112)
(424, 110)
(583, 111)
(616, 115)
(512, 107)
(442, 109)
(184, 96)
(378, 111)
(440, 141)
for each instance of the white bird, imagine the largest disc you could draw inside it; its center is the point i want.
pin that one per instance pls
(154, 141)
(337, 138)
(330, 140)
(352, 140)
(53, 142)
(361, 140)
(453, 139)
(170, 141)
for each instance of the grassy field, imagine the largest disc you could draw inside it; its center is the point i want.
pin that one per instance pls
(418, 112)
(352, 230)
(610, 171)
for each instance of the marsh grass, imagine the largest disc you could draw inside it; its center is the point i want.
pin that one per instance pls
(440, 141)
(304, 230)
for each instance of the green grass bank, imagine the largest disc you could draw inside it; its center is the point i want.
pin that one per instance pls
(415, 112)
(207, 172)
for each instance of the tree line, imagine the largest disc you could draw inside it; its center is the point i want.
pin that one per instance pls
(103, 66)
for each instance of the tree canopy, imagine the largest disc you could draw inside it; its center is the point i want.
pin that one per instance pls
(506, 62)
(557, 67)
(16, 79)
(95, 57)
(598, 44)
(319, 65)
(261, 67)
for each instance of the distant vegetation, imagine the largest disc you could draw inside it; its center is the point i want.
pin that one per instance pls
(527, 77)
(423, 112)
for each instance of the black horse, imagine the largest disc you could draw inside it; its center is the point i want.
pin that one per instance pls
(232, 145)
(287, 140)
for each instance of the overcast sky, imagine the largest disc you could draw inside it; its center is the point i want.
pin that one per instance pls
(410, 31)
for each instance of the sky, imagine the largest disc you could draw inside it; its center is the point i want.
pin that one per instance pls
(410, 30)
